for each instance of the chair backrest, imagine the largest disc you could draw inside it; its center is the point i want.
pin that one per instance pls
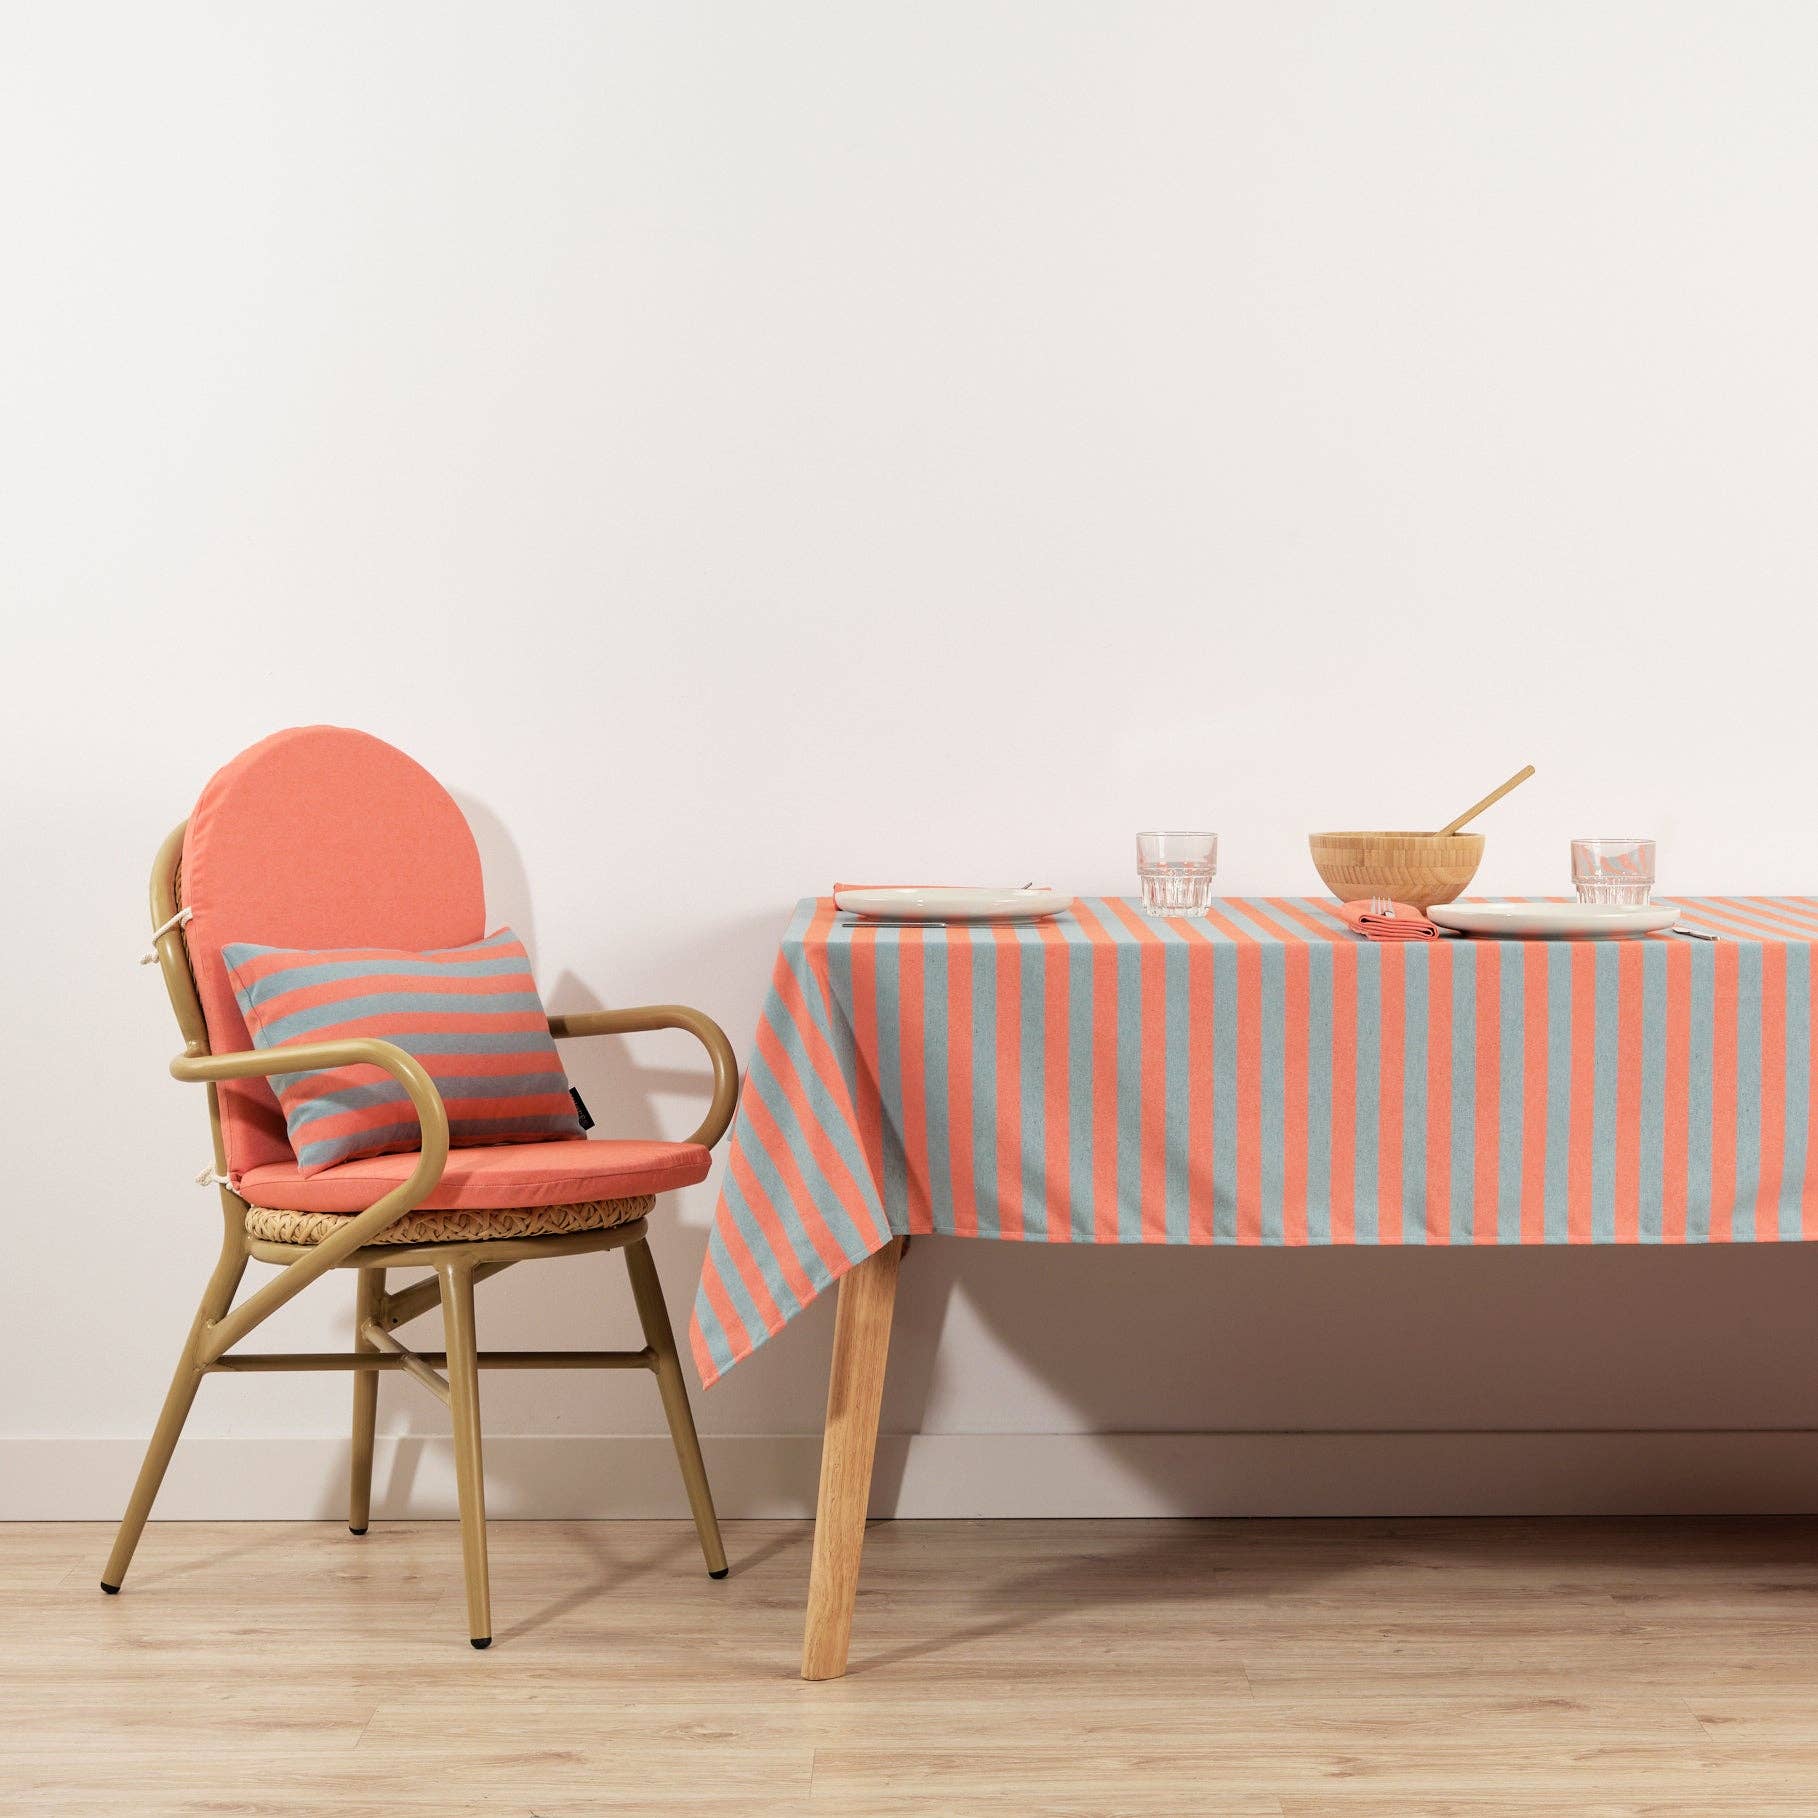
(315, 837)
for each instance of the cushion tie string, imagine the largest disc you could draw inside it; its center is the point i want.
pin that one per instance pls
(150, 956)
(209, 1178)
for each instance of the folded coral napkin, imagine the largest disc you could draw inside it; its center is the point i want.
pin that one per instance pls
(1402, 923)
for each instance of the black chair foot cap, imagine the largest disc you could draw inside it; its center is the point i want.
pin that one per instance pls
(356, 1530)
(113, 1590)
(482, 1641)
(721, 1573)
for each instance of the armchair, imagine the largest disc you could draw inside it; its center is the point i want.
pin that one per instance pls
(388, 860)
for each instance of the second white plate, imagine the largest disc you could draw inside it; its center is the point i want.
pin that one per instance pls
(1555, 921)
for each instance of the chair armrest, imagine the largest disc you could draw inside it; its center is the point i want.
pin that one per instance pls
(432, 1116)
(702, 1027)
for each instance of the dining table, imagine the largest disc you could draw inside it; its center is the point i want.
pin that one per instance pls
(1258, 1075)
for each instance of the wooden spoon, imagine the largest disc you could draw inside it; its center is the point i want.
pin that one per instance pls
(1495, 795)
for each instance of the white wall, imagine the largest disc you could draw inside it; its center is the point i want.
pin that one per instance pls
(736, 445)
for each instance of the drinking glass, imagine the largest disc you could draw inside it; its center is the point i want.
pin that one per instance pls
(1176, 870)
(1613, 871)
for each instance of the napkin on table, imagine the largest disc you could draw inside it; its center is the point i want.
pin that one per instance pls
(1402, 923)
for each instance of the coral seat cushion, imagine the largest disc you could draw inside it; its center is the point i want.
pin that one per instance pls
(511, 1174)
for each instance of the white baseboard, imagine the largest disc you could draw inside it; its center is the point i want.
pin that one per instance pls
(951, 1475)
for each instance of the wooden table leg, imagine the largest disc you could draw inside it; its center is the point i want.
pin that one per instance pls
(855, 1392)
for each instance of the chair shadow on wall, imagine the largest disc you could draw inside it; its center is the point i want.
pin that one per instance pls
(623, 1093)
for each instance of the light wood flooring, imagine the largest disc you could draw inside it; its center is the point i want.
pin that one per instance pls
(1362, 1669)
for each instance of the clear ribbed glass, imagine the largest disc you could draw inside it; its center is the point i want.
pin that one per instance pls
(1176, 871)
(1613, 871)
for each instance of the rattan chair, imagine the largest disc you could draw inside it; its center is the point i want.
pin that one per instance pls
(323, 837)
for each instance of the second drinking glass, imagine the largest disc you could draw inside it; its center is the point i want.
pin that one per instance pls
(1176, 871)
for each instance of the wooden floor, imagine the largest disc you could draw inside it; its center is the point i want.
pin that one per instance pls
(1396, 1669)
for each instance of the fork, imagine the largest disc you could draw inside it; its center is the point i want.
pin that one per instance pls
(1380, 905)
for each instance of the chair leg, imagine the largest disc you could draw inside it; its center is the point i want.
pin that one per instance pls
(464, 1404)
(367, 1298)
(217, 1297)
(654, 1316)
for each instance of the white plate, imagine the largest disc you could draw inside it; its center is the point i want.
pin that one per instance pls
(1555, 921)
(944, 904)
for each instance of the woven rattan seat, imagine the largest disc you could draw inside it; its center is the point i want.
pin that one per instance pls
(452, 1225)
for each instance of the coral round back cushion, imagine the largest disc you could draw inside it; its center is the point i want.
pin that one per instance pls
(317, 837)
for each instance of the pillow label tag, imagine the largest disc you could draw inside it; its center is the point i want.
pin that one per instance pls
(580, 1109)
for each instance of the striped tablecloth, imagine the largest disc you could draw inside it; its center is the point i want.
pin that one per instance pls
(1259, 1077)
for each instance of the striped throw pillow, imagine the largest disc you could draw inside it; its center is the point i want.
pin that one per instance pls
(471, 1015)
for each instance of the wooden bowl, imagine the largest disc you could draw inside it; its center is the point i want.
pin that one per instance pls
(1416, 868)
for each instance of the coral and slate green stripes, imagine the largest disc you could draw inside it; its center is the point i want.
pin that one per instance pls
(1259, 1077)
(471, 1015)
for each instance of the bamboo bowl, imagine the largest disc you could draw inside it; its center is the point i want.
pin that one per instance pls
(1420, 869)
